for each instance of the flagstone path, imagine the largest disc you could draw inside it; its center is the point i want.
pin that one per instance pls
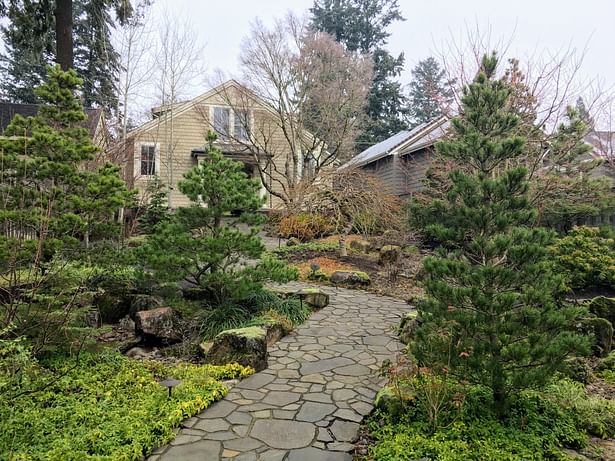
(307, 405)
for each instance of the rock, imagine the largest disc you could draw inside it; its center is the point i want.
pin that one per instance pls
(144, 303)
(276, 330)
(246, 346)
(293, 241)
(157, 325)
(314, 297)
(92, 319)
(603, 307)
(194, 293)
(607, 363)
(349, 278)
(113, 304)
(602, 331)
(389, 254)
(142, 353)
(411, 250)
(392, 400)
(408, 326)
(362, 246)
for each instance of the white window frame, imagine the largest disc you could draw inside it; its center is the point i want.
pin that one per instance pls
(222, 136)
(232, 135)
(137, 163)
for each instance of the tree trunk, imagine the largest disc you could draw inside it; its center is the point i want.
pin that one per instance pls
(343, 237)
(64, 33)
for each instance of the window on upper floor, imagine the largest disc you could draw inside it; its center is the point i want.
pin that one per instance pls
(222, 122)
(148, 159)
(242, 125)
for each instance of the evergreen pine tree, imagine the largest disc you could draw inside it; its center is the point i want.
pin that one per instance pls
(49, 193)
(361, 25)
(583, 112)
(30, 48)
(30, 39)
(494, 313)
(95, 59)
(430, 93)
(195, 245)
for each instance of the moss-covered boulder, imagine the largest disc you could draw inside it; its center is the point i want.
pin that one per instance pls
(362, 246)
(314, 297)
(408, 326)
(602, 332)
(246, 346)
(350, 278)
(604, 307)
(392, 400)
(389, 254)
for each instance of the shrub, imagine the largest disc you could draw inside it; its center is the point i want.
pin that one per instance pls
(320, 247)
(156, 209)
(197, 246)
(535, 429)
(586, 256)
(106, 407)
(494, 313)
(595, 415)
(304, 226)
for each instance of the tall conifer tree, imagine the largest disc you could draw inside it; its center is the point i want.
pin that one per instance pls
(31, 45)
(494, 314)
(361, 25)
(430, 93)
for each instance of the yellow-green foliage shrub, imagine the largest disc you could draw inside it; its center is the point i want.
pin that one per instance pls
(105, 407)
(586, 256)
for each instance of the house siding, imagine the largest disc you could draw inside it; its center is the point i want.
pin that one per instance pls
(177, 135)
(402, 175)
(388, 172)
(414, 168)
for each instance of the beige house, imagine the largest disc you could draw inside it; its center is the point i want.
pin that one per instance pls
(174, 141)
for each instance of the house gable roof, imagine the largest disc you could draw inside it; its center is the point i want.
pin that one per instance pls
(182, 107)
(8, 110)
(402, 143)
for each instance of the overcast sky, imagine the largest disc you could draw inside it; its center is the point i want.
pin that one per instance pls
(537, 27)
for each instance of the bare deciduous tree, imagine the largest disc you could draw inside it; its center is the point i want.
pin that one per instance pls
(177, 67)
(134, 46)
(351, 198)
(314, 93)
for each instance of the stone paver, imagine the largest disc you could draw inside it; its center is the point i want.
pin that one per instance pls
(308, 403)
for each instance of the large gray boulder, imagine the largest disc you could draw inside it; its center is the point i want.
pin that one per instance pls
(157, 326)
(604, 307)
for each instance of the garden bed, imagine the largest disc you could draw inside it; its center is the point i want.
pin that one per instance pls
(400, 281)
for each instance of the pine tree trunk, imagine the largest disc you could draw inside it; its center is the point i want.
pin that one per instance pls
(64, 33)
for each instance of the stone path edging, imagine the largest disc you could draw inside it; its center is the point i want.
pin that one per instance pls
(308, 403)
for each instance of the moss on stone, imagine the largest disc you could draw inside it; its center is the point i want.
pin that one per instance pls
(247, 332)
(604, 307)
